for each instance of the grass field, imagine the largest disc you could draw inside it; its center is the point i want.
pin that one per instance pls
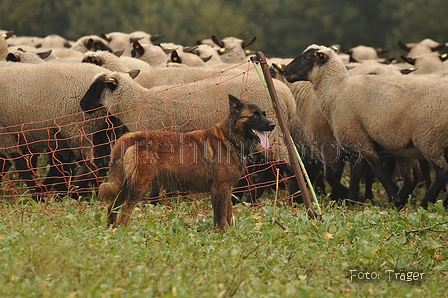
(63, 249)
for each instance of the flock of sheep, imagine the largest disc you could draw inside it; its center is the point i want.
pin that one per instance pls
(64, 103)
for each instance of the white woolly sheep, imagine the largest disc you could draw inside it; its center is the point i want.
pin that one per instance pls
(362, 52)
(373, 67)
(210, 53)
(90, 43)
(53, 41)
(162, 75)
(54, 126)
(28, 57)
(145, 38)
(115, 62)
(65, 55)
(186, 57)
(120, 41)
(181, 107)
(431, 63)
(313, 135)
(151, 54)
(426, 46)
(401, 116)
(232, 48)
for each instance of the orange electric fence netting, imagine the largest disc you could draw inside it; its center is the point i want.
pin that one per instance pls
(42, 162)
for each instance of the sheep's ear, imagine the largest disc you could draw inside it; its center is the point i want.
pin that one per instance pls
(156, 37)
(106, 37)
(135, 38)
(388, 60)
(88, 43)
(406, 71)
(248, 42)
(235, 103)
(191, 49)
(137, 47)
(348, 67)
(403, 46)
(118, 53)
(133, 73)
(322, 57)
(408, 59)
(279, 66)
(222, 51)
(7, 34)
(438, 47)
(44, 55)
(111, 83)
(336, 48)
(166, 50)
(217, 41)
(277, 69)
(175, 57)
(205, 59)
(443, 57)
(381, 51)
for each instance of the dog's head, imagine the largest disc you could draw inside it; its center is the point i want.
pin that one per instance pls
(250, 121)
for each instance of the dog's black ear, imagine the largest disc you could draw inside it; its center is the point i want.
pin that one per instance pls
(235, 103)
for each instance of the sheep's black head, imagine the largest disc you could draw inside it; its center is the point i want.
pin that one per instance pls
(92, 44)
(137, 50)
(93, 60)
(11, 57)
(300, 67)
(92, 98)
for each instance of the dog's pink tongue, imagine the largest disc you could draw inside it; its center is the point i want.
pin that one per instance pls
(264, 141)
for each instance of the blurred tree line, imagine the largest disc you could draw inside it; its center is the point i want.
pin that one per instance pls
(282, 27)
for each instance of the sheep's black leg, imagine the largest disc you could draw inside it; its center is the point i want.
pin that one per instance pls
(58, 173)
(338, 191)
(368, 182)
(436, 186)
(410, 171)
(86, 174)
(382, 175)
(27, 175)
(425, 167)
(356, 172)
(263, 175)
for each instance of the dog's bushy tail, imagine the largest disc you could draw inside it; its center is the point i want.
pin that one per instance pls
(108, 191)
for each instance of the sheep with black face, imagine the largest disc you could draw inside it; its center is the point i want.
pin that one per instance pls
(402, 116)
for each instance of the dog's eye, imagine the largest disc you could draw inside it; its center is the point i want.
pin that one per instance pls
(256, 116)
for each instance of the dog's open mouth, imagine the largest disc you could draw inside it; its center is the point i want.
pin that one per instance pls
(262, 138)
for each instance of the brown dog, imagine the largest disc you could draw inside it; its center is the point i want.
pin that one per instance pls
(209, 160)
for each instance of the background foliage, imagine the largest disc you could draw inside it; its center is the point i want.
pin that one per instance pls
(283, 27)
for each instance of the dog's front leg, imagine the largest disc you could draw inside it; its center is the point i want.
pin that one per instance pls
(222, 205)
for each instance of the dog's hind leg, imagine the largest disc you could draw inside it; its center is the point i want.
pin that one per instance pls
(126, 211)
(133, 192)
(113, 208)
